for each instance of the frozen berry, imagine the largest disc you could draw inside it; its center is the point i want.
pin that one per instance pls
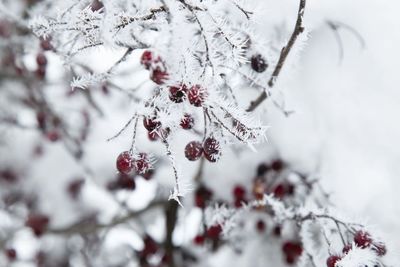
(214, 231)
(142, 163)
(11, 254)
(158, 76)
(38, 223)
(187, 122)
(258, 63)
(196, 95)
(332, 260)
(239, 192)
(153, 136)
(346, 248)
(177, 93)
(148, 174)
(277, 231)
(45, 44)
(151, 124)
(146, 59)
(124, 162)
(292, 248)
(41, 59)
(212, 150)
(150, 247)
(193, 150)
(362, 239)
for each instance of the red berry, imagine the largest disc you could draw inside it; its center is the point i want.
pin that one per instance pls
(142, 163)
(199, 240)
(124, 162)
(212, 150)
(45, 44)
(158, 76)
(258, 63)
(41, 60)
(8, 175)
(38, 223)
(150, 247)
(153, 136)
(11, 254)
(214, 231)
(346, 248)
(202, 196)
(147, 175)
(262, 169)
(277, 165)
(239, 192)
(126, 182)
(292, 249)
(53, 135)
(239, 202)
(260, 225)
(187, 122)
(146, 59)
(177, 93)
(277, 231)
(362, 239)
(196, 95)
(279, 191)
(74, 187)
(193, 150)
(332, 260)
(96, 5)
(151, 124)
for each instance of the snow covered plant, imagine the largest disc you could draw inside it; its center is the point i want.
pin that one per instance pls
(114, 112)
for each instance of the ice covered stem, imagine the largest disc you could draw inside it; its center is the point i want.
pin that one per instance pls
(298, 29)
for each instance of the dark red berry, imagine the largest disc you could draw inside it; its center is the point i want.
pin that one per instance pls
(199, 240)
(126, 182)
(277, 165)
(11, 254)
(45, 44)
(346, 248)
(362, 239)
(239, 202)
(177, 93)
(41, 60)
(142, 163)
(53, 135)
(258, 63)
(202, 196)
(196, 95)
(125, 162)
(292, 248)
(212, 150)
(158, 76)
(187, 122)
(74, 187)
(239, 192)
(153, 136)
(150, 247)
(332, 260)
(262, 169)
(148, 174)
(38, 223)
(280, 191)
(8, 175)
(146, 59)
(151, 124)
(277, 231)
(193, 150)
(260, 225)
(214, 231)
(96, 5)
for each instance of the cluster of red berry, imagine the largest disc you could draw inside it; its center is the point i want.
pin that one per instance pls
(210, 148)
(140, 163)
(362, 240)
